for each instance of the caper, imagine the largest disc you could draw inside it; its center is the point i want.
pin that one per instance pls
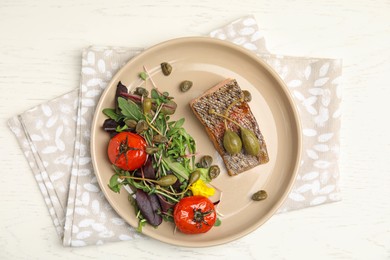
(205, 161)
(247, 95)
(250, 142)
(169, 108)
(141, 91)
(232, 142)
(141, 126)
(131, 123)
(166, 68)
(214, 171)
(194, 177)
(151, 150)
(160, 139)
(260, 195)
(185, 85)
(167, 180)
(147, 105)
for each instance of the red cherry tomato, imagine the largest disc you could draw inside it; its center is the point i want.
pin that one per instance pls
(194, 215)
(127, 151)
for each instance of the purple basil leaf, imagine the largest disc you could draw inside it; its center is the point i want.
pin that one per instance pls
(109, 125)
(119, 89)
(147, 206)
(148, 169)
(165, 205)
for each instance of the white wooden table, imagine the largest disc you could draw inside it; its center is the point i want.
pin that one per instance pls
(40, 48)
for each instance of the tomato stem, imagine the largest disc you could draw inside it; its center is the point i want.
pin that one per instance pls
(199, 217)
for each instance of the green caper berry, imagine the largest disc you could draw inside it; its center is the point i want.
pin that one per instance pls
(160, 139)
(247, 95)
(141, 126)
(250, 142)
(260, 195)
(151, 150)
(205, 161)
(185, 85)
(232, 142)
(194, 177)
(131, 123)
(167, 180)
(141, 91)
(214, 171)
(166, 68)
(147, 105)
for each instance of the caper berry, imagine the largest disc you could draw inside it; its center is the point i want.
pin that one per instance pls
(214, 171)
(205, 161)
(147, 105)
(194, 177)
(185, 85)
(247, 95)
(232, 142)
(166, 68)
(151, 150)
(141, 91)
(167, 180)
(141, 126)
(169, 108)
(160, 139)
(250, 142)
(131, 123)
(260, 195)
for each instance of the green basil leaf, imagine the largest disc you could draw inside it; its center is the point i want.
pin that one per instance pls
(217, 223)
(130, 109)
(154, 94)
(111, 114)
(179, 123)
(114, 183)
(178, 169)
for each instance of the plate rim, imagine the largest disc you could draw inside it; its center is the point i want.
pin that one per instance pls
(269, 69)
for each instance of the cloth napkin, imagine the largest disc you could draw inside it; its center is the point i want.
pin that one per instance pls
(55, 137)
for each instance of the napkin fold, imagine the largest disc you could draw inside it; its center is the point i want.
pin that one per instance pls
(55, 137)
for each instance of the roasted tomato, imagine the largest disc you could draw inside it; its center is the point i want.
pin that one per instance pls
(194, 215)
(127, 151)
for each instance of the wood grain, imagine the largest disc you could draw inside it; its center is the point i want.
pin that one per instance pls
(40, 48)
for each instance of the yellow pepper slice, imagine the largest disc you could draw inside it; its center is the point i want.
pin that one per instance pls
(200, 188)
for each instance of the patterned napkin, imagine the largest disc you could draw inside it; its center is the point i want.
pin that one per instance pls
(55, 137)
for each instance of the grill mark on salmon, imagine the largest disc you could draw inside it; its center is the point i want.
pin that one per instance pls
(219, 98)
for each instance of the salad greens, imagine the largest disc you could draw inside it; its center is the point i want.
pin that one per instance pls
(171, 150)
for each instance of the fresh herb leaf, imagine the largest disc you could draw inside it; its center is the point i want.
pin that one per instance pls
(114, 184)
(130, 109)
(112, 114)
(154, 94)
(179, 123)
(121, 128)
(141, 224)
(143, 75)
(204, 174)
(217, 223)
(178, 169)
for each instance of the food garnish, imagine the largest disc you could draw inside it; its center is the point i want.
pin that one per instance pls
(260, 195)
(155, 156)
(185, 85)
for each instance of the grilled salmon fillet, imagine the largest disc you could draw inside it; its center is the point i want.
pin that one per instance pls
(219, 98)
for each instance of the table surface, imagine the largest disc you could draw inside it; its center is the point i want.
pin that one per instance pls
(40, 48)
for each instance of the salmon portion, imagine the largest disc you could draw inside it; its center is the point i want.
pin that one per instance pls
(219, 98)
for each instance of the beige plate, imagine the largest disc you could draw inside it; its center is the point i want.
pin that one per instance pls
(206, 62)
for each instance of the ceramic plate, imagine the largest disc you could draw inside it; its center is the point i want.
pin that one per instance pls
(206, 62)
